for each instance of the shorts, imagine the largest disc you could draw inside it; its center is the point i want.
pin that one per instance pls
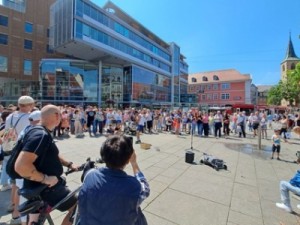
(255, 126)
(276, 148)
(56, 193)
(140, 128)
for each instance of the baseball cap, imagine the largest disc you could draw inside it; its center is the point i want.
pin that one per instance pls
(35, 116)
(24, 100)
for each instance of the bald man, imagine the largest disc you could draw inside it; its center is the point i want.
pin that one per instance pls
(40, 162)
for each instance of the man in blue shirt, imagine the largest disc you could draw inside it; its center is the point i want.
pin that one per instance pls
(108, 195)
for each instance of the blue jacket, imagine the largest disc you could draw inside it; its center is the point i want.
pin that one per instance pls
(109, 197)
(295, 181)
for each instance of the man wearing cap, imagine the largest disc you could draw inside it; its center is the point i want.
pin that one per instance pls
(19, 120)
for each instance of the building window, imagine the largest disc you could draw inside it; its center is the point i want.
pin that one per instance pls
(208, 87)
(27, 67)
(3, 21)
(204, 78)
(3, 63)
(225, 96)
(28, 44)
(28, 27)
(49, 49)
(203, 97)
(215, 77)
(209, 96)
(3, 39)
(194, 80)
(215, 96)
(292, 66)
(225, 86)
(215, 87)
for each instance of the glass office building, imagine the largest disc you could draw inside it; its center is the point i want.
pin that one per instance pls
(134, 66)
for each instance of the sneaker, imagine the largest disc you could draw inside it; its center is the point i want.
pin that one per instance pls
(283, 206)
(278, 158)
(138, 142)
(5, 187)
(272, 158)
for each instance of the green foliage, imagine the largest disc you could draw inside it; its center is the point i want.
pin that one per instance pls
(288, 89)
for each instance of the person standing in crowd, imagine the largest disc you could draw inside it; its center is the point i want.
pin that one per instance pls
(205, 120)
(263, 126)
(20, 120)
(250, 122)
(90, 116)
(234, 123)
(284, 126)
(255, 123)
(199, 123)
(4, 179)
(149, 120)
(140, 120)
(226, 122)
(77, 124)
(276, 140)
(211, 123)
(241, 122)
(270, 120)
(218, 119)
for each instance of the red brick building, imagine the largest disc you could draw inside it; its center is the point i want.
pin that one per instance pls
(220, 88)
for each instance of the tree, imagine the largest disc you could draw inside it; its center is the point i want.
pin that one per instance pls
(275, 94)
(293, 82)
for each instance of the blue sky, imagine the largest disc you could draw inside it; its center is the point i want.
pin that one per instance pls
(250, 36)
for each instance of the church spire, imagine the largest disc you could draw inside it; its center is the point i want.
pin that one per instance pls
(290, 53)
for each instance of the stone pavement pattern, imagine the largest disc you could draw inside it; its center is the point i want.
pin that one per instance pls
(194, 194)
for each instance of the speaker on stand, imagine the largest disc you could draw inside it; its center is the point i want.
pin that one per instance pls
(189, 154)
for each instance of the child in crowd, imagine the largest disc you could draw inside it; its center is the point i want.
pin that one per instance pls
(276, 139)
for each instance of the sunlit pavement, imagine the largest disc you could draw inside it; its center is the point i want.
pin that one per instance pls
(196, 194)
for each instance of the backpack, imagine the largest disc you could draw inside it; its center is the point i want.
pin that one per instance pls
(10, 166)
(10, 135)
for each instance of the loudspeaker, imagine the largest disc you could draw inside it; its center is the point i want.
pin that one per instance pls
(189, 157)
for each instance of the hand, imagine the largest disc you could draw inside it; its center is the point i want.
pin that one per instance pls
(73, 167)
(50, 180)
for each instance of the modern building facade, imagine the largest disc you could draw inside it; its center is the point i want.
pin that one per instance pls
(23, 43)
(220, 88)
(75, 52)
(135, 66)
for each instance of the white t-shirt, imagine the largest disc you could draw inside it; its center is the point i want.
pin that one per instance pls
(13, 117)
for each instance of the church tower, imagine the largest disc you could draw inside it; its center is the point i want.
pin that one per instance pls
(289, 63)
(290, 60)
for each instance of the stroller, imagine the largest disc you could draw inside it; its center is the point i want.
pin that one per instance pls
(130, 128)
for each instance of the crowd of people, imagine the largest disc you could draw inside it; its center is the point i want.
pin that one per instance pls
(61, 121)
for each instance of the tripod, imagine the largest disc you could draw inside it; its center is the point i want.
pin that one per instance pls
(192, 139)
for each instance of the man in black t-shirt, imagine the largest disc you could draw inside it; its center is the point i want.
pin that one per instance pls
(40, 162)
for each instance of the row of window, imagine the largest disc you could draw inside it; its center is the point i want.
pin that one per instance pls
(88, 10)
(204, 78)
(203, 87)
(88, 31)
(215, 96)
(27, 65)
(28, 27)
(27, 43)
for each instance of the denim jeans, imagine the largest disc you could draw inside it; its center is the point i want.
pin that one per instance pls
(200, 128)
(285, 187)
(4, 176)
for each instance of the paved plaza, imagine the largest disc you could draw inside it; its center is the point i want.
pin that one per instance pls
(194, 194)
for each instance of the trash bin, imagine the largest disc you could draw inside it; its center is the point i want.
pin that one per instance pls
(189, 157)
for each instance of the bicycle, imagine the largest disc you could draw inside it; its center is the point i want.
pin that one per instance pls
(35, 204)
